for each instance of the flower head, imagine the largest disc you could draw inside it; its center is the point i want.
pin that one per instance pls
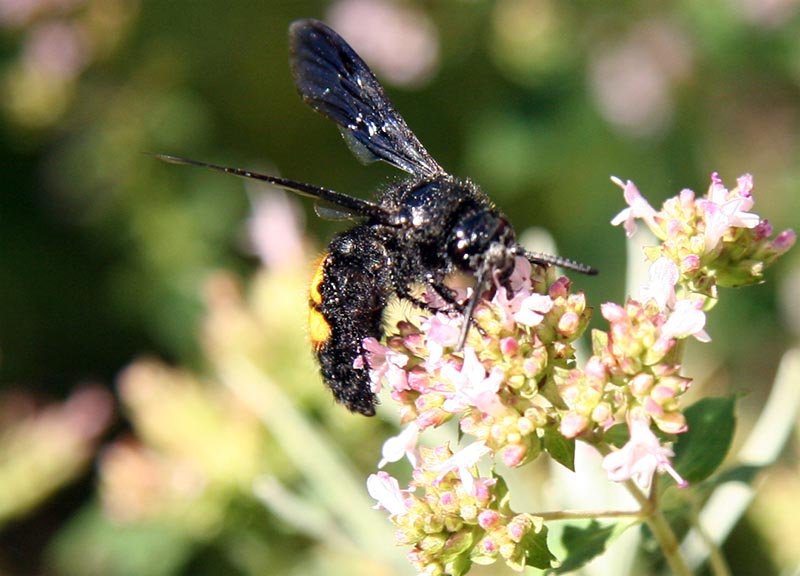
(451, 514)
(715, 240)
(494, 386)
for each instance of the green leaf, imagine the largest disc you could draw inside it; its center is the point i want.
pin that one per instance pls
(617, 435)
(549, 390)
(583, 543)
(744, 473)
(461, 565)
(537, 553)
(560, 448)
(501, 494)
(701, 450)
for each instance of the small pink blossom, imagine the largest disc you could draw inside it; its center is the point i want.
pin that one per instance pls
(508, 307)
(638, 207)
(595, 369)
(641, 384)
(613, 312)
(723, 210)
(404, 444)
(442, 332)
(472, 387)
(386, 491)
(513, 455)
(763, 230)
(442, 329)
(573, 424)
(520, 279)
(462, 462)
(532, 309)
(652, 407)
(488, 519)
(568, 323)
(641, 457)
(385, 365)
(519, 526)
(672, 423)
(603, 415)
(784, 241)
(690, 263)
(509, 346)
(688, 319)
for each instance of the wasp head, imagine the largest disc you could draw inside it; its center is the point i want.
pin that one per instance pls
(482, 241)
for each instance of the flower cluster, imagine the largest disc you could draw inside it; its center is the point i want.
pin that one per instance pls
(633, 375)
(501, 385)
(713, 240)
(460, 518)
(516, 382)
(630, 372)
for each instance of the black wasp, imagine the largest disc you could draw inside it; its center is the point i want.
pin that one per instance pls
(421, 231)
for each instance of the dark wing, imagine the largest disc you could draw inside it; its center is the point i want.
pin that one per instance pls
(344, 206)
(336, 82)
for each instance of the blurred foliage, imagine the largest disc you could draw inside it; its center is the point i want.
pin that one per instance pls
(229, 458)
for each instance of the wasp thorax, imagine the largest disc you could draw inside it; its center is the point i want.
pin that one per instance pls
(421, 205)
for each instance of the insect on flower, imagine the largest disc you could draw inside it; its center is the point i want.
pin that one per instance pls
(420, 232)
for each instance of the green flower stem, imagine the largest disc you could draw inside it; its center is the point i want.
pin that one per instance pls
(666, 540)
(652, 515)
(589, 514)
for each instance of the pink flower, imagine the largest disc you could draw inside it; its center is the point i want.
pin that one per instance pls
(723, 210)
(461, 462)
(613, 312)
(520, 279)
(784, 241)
(638, 207)
(404, 444)
(386, 491)
(472, 387)
(488, 519)
(688, 319)
(385, 365)
(398, 39)
(532, 309)
(513, 455)
(641, 457)
(573, 424)
(506, 307)
(442, 332)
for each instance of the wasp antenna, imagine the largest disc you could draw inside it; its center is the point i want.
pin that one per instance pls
(550, 260)
(349, 203)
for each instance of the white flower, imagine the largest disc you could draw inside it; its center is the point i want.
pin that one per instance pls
(386, 491)
(404, 444)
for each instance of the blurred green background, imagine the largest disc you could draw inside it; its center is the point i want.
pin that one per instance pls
(123, 275)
